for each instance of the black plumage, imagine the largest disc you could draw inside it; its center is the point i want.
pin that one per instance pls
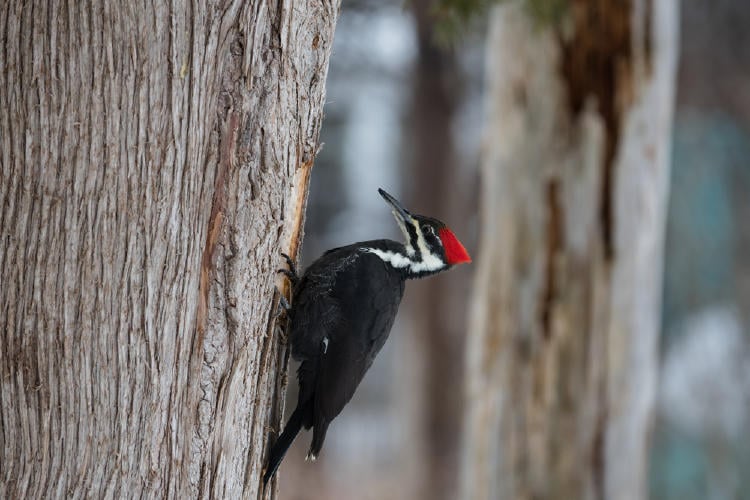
(343, 308)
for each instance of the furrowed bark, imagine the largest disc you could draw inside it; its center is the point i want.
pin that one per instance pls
(562, 350)
(155, 161)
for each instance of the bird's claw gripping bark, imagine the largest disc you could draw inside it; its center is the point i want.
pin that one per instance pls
(283, 310)
(284, 304)
(290, 273)
(281, 332)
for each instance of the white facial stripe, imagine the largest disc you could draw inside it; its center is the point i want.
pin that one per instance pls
(399, 261)
(400, 222)
(430, 261)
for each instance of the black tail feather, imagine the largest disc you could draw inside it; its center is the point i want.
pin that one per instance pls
(282, 444)
(319, 435)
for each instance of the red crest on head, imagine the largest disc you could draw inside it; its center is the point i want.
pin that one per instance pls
(455, 252)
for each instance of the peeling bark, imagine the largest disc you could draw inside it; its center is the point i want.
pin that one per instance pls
(562, 346)
(155, 161)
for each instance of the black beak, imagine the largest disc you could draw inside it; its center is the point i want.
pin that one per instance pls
(397, 208)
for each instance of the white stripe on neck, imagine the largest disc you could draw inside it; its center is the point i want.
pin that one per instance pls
(428, 263)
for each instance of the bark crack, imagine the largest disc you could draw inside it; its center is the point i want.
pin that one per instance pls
(555, 243)
(215, 223)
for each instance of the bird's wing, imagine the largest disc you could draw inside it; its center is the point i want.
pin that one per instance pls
(316, 312)
(367, 295)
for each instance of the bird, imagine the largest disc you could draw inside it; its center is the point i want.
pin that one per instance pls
(341, 313)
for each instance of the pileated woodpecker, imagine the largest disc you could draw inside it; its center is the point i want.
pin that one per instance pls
(342, 311)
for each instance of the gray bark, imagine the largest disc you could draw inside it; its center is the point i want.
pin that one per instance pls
(155, 160)
(562, 352)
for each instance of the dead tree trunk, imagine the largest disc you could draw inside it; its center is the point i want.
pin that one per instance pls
(562, 351)
(155, 161)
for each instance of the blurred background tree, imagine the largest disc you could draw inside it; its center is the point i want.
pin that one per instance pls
(390, 443)
(562, 343)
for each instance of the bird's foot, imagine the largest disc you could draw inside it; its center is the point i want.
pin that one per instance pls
(284, 305)
(290, 273)
(282, 316)
(281, 332)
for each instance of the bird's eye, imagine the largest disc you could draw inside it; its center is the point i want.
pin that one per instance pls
(430, 230)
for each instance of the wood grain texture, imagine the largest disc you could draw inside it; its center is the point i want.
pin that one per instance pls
(562, 352)
(155, 160)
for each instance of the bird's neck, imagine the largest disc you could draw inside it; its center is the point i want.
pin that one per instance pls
(409, 261)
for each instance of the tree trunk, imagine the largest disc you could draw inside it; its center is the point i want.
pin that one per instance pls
(562, 351)
(155, 161)
(438, 307)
